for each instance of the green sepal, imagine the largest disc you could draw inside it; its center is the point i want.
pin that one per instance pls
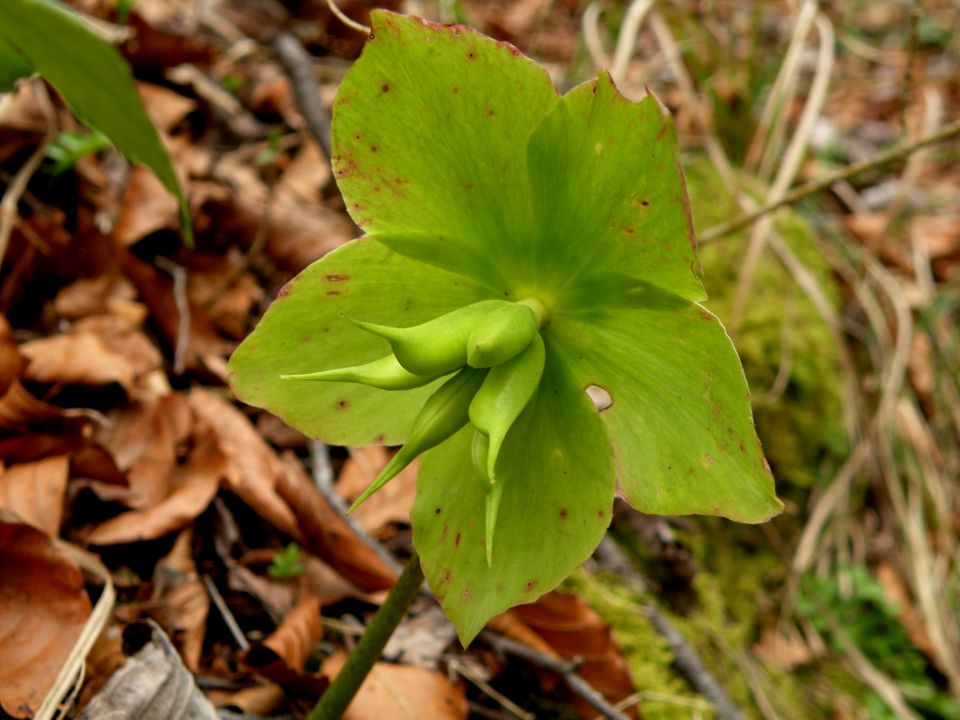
(491, 507)
(444, 413)
(386, 374)
(501, 334)
(505, 392)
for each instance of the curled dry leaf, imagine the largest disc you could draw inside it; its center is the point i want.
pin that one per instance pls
(146, 207)
(192, 487)
(43, 608)
(388, 506)
(281, 656)
(165, 107)
(402, 692)
(102, 295)
(253, 468)
(568, 624)
(143, 440)
(76, 359)
(19, 409)
(88, 460)
(152, 684)
(35, 492)
(181, 601)
(11, 361)
(326, 535)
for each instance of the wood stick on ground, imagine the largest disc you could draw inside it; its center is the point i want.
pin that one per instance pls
(323, 479)
(814, 186)
(686, 658)
(566, 671)
(298, 64)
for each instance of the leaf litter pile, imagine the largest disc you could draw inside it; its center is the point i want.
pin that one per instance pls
(145, 515)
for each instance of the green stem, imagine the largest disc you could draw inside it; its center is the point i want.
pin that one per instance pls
(338, 696)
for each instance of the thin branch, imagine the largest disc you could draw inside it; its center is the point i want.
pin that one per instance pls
(323, 480)
(566, 671)
(686, 658)
(299, 66)
(815, 186)
(179, 275)
(229, 620)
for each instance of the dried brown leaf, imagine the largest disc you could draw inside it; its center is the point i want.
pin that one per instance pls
(165, 107)
(386, 507)
(11, 361)
(568, 624)
(146, 207)
(402, 692)
(143, 439)
(254, 469)
(43, 608)
(20, 409)
(76, 359)
(35, 492)
(181, 601)
(192, 487)
(326, 535)
(102, 295)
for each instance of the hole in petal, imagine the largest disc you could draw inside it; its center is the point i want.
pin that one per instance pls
(600, 397)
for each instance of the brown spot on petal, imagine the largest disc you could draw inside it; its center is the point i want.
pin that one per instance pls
(531, 584)
(456, 540)
(336, 277)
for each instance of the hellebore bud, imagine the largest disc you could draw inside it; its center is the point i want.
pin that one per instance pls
(504, 394)
(386, 373)
(500, 335)
(443, 414)
(490, 330)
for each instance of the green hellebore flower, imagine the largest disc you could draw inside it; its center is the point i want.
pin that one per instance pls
(476, 182)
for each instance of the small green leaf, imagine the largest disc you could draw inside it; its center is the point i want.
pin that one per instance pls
(304, 331)
(287, 564)
(680, 420)
(557, 479)
(70, 146)
(93, 78)
(13, 66)
(430, 132)
(386, 374)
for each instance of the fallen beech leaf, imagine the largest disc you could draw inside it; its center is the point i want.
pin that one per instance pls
(421, 640)
(155, 287)
(389, 505)
(106, 294)
(306, 175)
(402, 692)
(165, 107)
(43, 609)
(11, 361)
(19, 408)
(510, 625)
(254, 469)
(181, 601)
(123, 338)
(88, 460)
(568, 624)
(143, 440)
(77, 358)
(192, 487)
(281, 656)
(326, 535)
(35, 491)
(146, 207)
(152, 684)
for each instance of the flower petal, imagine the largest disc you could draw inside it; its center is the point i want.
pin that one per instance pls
(430, 129)
(680, 415)
(557, 476)
(304, 331)
(610, 198)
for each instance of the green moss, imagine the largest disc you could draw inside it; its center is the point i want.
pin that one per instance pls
(666, 694)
